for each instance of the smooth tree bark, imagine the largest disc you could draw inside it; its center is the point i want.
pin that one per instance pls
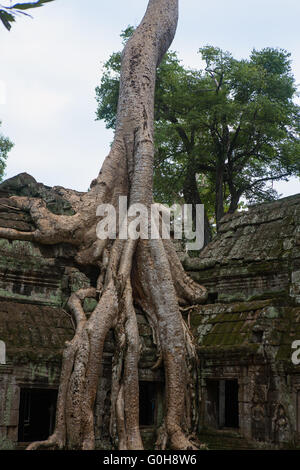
(143, 273)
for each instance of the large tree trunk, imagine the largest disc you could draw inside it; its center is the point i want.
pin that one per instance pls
(147, 271)
(219, 202)
(191, 196)
(235, 196)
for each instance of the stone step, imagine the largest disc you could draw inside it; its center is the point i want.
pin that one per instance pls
(225, 440)
(22, 445)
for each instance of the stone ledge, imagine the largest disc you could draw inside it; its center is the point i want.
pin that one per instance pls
(6, 369)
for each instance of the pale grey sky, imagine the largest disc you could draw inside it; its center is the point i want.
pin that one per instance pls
(52, 64)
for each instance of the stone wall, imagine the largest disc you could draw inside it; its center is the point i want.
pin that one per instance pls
(246, 330)
(256, 254)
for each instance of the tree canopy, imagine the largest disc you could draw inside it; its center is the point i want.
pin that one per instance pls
(8, 14)
(223, 132)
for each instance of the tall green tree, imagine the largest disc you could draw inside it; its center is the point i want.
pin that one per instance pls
(250, 125)
(5, 146)
(224, 132)
(8, 14)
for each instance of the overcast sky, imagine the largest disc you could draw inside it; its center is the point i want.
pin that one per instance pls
(51, 65)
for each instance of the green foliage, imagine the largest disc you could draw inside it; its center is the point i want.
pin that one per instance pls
(233, 127)
(253, 121)
(5, 146)
(8, 14)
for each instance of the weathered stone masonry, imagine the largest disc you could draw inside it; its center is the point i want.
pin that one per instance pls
(244, 333)
(252, 272)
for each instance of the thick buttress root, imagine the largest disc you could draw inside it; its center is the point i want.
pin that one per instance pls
(146, 273)
(82, 357)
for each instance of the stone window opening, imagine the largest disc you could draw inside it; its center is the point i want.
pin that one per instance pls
(298, 414)
(36, 414)
(212, 297)
(2, 353)
(257, 335)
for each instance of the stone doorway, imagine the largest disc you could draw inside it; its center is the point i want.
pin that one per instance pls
(151, 403)
(231, 412)
(147, 403)
(36, 414)
(298, 414)
(222, 405)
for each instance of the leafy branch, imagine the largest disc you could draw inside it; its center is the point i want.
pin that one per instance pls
(8, 14)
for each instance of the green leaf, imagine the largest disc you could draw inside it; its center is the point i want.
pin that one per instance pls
(28, 5)
(6, 19)
(7, 14)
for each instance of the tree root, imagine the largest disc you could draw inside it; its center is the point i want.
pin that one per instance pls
(82, 357)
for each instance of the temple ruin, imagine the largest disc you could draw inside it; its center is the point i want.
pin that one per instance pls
(248, 382)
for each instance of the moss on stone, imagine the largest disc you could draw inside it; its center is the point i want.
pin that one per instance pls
(6, 444)
(89, 305)
(263, 267)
